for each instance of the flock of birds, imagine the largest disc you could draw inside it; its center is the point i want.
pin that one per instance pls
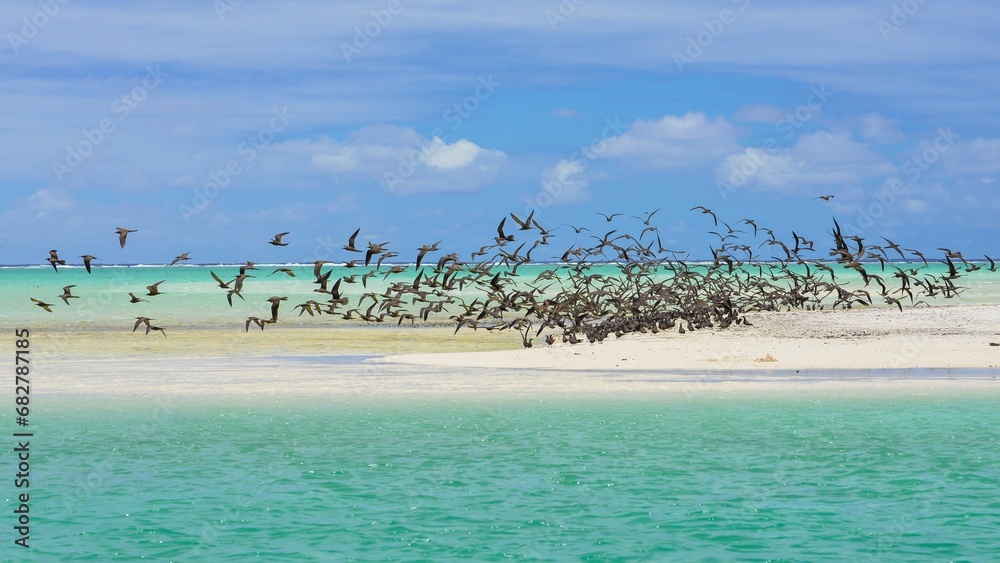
(622, 283)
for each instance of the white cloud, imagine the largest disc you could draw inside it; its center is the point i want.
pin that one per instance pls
(564, 184)
(878, 129)
(977, 156)
(817, 159)
(402, 160)
(459, 154)
(45, 200)
(674, 142)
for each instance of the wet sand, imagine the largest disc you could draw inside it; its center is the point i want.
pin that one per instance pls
(919, 352)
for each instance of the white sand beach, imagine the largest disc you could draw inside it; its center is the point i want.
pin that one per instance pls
(883, 338)
(924, 352)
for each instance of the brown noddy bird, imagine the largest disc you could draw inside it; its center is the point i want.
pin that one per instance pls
(42, 304)
(86, 261)
(123, 234)
(276, 241)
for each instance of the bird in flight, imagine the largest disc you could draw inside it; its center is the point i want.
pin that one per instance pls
(54, 259)
(86, 261)
(67, 294)
(373, 249)
(526, 224)
(423, 250)
(218, 280)
(275, 301)
(649, 216)
(123, 234)
(708, 211)
(180, 258)
(276, 241)
(350, 242)
(150, 327)
(824, 197)
(154, 289)
(42, 304)
(501, 237)
(608, 217)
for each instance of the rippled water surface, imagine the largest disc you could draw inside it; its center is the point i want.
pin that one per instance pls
(438, 479)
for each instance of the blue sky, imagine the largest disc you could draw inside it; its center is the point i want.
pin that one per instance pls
(210, 126)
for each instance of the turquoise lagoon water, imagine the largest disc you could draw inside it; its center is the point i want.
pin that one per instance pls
(300, 476)
(191, 297)
(577, 479)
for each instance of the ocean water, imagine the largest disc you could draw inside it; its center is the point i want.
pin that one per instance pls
(292, 474)
(191, 297)
(834, 479)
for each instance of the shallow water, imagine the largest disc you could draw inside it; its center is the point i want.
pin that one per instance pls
(339, 458)
(323, 478)
(192, 298)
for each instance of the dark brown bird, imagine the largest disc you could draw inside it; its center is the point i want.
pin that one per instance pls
(136, 299)
(54, 259)
(229, 296)
(501, 237)
(350, 243)
(150, 327)
(275, 301)
(824, 197)
(259, 322)
(526, 224)
(276, 241)
(67, 294)
(154, 289)
(708, 211)
(123, 234)
(238, 281)
(86, 261)
(179, 259)
(222, 284)
(423, 250)
(284, 271)
(373, 249)
(648, 216)
(42, 304)
(139, 321)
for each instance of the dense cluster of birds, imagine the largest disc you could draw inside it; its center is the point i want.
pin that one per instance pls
(614, 283)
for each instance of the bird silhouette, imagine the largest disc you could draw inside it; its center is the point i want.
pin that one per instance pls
(123, 235)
